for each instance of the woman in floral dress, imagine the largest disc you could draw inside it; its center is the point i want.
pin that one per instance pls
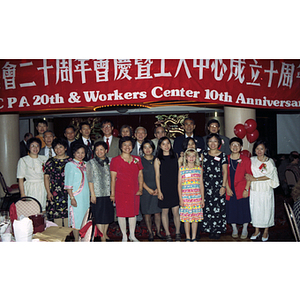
(215, 178)
(54, 178)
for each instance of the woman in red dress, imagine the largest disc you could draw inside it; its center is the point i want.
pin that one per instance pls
(126, 186)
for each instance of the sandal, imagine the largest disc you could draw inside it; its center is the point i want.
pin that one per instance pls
(168, 238)
(177, 237)
(187, 240)
(193, 240)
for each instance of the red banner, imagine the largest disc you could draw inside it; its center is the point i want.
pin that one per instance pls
(30, 85)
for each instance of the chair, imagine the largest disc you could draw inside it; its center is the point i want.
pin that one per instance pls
(28, 206)
(12, 193)
(291, 178)
(292, 220)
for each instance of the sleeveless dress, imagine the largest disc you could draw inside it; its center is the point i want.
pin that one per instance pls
(169, 182)
(149, 203)
(191, 210)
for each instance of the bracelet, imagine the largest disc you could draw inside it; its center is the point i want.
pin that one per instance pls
(256, 179)
(223, 186)
(72, 197)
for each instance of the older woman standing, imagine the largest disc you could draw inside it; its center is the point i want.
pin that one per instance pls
(31, 168)
(126, 186)
(98, 176)
(263, 182)
(215, 178)
(237, 204)
(57, 196)
(77, 187)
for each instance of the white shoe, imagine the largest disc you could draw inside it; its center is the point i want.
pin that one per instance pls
(254, 237)
(133, 239)
(244, 236)
(265, 239)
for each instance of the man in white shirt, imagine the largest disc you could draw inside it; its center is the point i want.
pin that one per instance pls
(48, 150)
(140, 135)
(112, 142)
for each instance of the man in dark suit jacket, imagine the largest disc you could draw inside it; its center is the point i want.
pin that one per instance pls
(69, 134)
(188, 126)
(107, 128)
(23, 144)
(140, 135)
(85, 130)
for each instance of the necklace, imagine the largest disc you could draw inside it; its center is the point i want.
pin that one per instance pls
(231, 162)
(127, 160)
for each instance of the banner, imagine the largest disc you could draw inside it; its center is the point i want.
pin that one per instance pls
(46, 84)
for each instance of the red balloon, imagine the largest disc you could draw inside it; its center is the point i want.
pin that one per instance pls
(115, 133)
(246, 153)
(250, 125)
(252, 137)
(240, 131)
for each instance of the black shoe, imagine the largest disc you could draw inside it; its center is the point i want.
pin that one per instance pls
(150, 238)
(217, 236)
(211, 235)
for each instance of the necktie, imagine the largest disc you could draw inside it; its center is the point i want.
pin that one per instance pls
(107, 143)
(90, 148)
(50, 152)
(140, 150)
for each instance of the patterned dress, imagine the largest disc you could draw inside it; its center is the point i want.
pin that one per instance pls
(214, 213)
(58, 207)
(191, 210)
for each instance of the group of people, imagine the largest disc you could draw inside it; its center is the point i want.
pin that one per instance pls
(203, 181)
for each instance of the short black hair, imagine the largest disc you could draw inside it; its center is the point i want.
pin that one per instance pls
(84, 123)
(189, 119)
(107, 121)
(263, 142)
(186, 142)
(77, 146)
(213, 121)
(125, 139)
(148, 142)
(69, 126)
(27, 134)
(236, 139)
(41, 121)
(59, 141)
(211, 135)
(100, 143)
(126, 126)
(32, 140)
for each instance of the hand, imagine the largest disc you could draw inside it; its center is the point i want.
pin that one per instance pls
(139, 193)
(229, 192)
(113, 199)
(181, 203)
(245, 194)
(74, 202)
(50, 197)
(202, 203)
(249, 177)
(160, 196)
(222, 191)
(93, 199)
(155, 192)
(151, 192)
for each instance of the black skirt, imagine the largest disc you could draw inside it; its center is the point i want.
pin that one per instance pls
(103, 210)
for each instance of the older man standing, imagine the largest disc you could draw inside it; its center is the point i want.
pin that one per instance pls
(188, 126)
(140, 135)
(48, 150)
(159, 132)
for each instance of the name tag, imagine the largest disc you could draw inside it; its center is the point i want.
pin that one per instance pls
(198, 149)
(217, 158)
(188, 175)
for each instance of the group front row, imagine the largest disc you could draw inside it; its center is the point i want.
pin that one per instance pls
(208, 189)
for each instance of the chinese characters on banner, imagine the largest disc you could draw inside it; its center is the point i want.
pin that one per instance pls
(30, 85)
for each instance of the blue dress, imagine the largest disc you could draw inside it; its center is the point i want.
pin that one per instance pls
(75, 179)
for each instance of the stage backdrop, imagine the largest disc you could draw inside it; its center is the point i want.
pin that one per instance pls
(30, 85)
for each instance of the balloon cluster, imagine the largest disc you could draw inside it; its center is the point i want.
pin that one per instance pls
(249, 130)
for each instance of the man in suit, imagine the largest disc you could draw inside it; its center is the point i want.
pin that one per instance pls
(159, 132)
(112, 142)
(69, 134)
(48, 150)
(23, 144)
(213, 126)
(85, 139)
(188, 126)
(140, 135)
